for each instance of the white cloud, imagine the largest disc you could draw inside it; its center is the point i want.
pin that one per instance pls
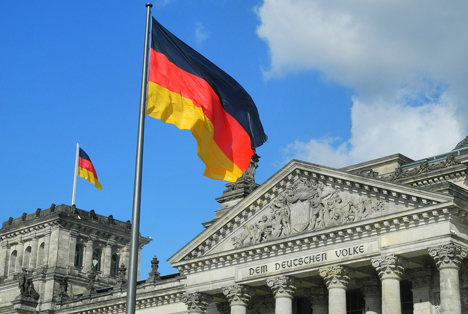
(319, 151)
(385, 128)
(201, 34)
(405, 60)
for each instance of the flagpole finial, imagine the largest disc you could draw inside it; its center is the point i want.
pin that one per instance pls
(149, 5)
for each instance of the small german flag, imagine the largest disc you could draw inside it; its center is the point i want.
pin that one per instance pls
(86, 169)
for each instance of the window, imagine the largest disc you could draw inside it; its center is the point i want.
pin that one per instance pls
(40, 255)
(79, 255)
(96, 261)
(114, 265)
(26, 257)
(12, 267)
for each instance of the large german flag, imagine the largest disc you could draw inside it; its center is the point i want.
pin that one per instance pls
(189, 91)
(86, 169)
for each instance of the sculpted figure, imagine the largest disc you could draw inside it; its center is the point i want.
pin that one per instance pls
(31, 291)
(333, 214)
(281, 225)
(23, 282)
(263, 230)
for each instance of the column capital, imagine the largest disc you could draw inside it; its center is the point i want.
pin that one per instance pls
(197, 301)
(336, 276)
(283, 286)
(389, 266)
(317, 295)
(370, 286)
(448, 255)
(238, 294)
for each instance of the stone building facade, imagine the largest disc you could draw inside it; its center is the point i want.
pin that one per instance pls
(387, 236)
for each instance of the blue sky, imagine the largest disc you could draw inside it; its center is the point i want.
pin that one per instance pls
(335, 83)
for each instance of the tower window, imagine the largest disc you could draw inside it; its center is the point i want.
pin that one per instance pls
(114, 265)
(78, 255)
(96, 262)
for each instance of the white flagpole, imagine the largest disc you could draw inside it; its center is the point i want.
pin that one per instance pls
(76, 172)
(135, 232)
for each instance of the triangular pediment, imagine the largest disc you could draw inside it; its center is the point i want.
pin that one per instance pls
(301, 199)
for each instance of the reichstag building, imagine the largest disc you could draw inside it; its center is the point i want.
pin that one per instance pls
(386, 236)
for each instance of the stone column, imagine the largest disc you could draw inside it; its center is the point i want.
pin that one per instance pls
(370, 287)
(88, 256)
(106, 260)
(34, 247)
(196, 302)
(448, 258)
(19, 257)
(46, 248)
(337, 280)
(421, 281)
(72, 251)
(318, 298)
(238, 297)
(4, 259)
(390, 268)
(283, 288)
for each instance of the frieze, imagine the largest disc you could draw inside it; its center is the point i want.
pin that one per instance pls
(307, 205)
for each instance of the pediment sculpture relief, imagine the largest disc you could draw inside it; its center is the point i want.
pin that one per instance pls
(307, 205)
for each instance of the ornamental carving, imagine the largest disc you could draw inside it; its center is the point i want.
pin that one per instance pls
(423, 167)
(390, 266)
(238, 294)
(197, 301)
(448, 256)
(283, 286)
(154, 273)
(336, 276)
(307, 205)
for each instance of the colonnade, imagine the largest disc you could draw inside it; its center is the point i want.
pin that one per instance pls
(381, 292)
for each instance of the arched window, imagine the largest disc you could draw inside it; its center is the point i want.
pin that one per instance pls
(114, 265)
(12, 267)
(79, 255)
(96, 261)
(26, 257)
(40, 255)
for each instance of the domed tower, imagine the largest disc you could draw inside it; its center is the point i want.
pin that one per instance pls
(62, 251)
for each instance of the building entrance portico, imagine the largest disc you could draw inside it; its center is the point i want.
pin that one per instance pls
(318, 237)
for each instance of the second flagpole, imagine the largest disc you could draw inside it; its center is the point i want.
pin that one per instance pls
(76, 173)
(135, 232)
